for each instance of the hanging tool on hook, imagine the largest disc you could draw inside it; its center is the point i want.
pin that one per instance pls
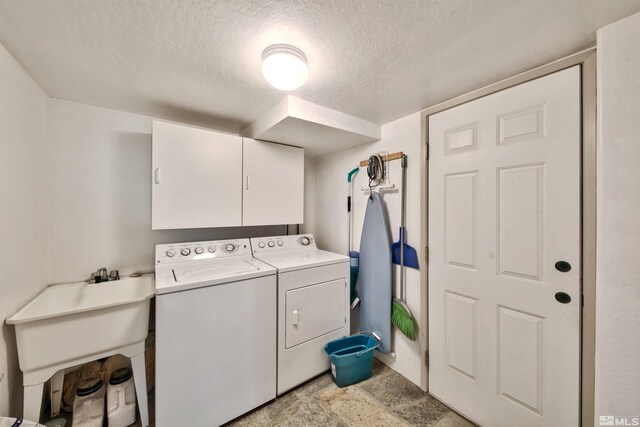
(375, 171)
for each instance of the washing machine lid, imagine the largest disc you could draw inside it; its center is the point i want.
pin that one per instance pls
(207, 271)
(195, 274)
(301, 259)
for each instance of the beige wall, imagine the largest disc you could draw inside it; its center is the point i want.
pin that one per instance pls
(618, 235)
(23, 211)
(100, 195)
(331, 215)
(309, 196)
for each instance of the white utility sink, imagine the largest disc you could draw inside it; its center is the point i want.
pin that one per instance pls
(66, 325)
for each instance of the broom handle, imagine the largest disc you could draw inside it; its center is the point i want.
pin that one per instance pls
(402, 227)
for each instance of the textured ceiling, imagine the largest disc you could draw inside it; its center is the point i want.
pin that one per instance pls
(199, 61)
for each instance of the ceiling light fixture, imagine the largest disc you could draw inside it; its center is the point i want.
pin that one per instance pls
(284, 66)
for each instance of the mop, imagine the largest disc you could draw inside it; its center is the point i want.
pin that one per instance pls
(353, 255)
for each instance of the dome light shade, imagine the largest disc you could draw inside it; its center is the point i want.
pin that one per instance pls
(284, 66)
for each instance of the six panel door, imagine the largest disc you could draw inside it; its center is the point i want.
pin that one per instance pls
(504, 227)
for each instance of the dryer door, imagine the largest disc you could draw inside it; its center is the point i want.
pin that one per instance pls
(314, 311)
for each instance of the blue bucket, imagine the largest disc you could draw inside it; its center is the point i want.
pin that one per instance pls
(351, 358)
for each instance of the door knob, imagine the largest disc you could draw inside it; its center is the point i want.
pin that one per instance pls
(563, 298)
(563, 266)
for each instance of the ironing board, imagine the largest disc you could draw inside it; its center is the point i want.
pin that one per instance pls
(375, 279)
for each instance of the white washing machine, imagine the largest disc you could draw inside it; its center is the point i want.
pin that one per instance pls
(215, 332)
(313, 303)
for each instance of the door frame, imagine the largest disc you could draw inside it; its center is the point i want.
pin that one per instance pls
(587, 61)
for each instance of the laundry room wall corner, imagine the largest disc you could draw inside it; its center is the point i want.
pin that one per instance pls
(331, 216)
(24, 121)
(617, 384)
(309, 197)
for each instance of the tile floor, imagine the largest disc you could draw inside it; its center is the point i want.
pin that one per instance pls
(386, 399)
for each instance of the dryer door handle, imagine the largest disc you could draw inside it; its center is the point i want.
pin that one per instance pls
(295, 317)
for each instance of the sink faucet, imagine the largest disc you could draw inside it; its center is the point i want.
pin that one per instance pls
(101, 275)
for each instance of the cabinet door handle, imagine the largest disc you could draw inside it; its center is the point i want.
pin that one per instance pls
(247, 185)
(157, 176)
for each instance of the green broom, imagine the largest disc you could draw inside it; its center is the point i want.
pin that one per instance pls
(402, 319)
(401, 316)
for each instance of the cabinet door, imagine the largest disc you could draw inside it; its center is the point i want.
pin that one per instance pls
(197, 178)
(273, 183)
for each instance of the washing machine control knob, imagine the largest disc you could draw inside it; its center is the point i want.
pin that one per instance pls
(211, 249)
(272, 244)
(170, 253)
(261, 245)
(305, 241)
(185, 251)
(230, 247)
(199, 250)
(280, 243)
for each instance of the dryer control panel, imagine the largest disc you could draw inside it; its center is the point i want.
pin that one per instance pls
(261, 245)
(192, 251)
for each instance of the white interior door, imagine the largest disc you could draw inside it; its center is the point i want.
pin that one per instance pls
(504, 209)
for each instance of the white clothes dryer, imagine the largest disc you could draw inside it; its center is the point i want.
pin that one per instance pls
(215, 332)
(313, 304)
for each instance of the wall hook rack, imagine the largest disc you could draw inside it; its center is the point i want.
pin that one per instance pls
(380, 188)
(385, 158)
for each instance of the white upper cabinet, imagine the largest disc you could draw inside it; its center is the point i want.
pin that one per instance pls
(197, 178)
(204, 179)
(273, 185)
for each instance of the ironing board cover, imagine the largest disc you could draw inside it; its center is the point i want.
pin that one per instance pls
(375, 279)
